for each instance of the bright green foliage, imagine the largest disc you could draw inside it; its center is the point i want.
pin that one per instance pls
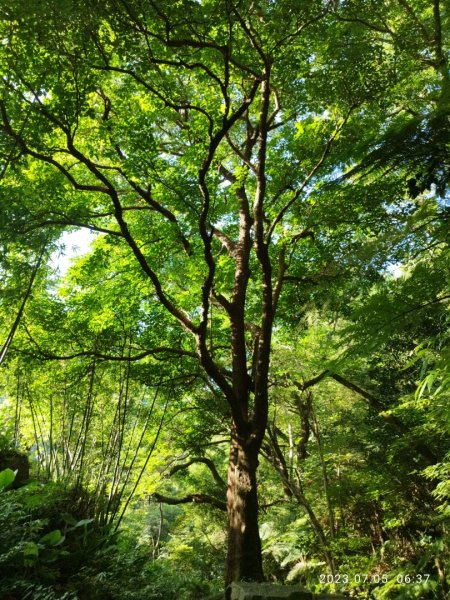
(6, 478)
(41, 546)
(144, 122)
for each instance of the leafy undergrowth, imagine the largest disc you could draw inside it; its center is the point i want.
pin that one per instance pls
(49, 553)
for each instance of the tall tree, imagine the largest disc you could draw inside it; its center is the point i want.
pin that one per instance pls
(194, 137)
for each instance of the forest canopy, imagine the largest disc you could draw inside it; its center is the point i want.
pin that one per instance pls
(246, 369)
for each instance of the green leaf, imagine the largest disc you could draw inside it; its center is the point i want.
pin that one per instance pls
(6, 478)
(83, 522)
(30, 554)
(52, 538)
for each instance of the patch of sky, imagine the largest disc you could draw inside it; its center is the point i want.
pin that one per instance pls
(396, 270)
(444, 203)
(72, 245)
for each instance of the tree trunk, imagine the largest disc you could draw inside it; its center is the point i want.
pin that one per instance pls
(244, 560)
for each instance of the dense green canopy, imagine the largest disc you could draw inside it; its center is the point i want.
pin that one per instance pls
(266, 289)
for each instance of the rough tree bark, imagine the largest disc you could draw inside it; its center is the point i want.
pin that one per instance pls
(244, 560)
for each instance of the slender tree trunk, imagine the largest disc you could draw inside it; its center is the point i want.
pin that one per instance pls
(244, 560)
(18, 410)
(15, 325)
(326, 482)
(300, 497)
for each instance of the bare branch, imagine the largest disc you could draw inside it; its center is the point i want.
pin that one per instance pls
(380, 28)
(71, 223)
(196, 498)
(280, 277)
(46, 355)
(225, 241)
(437, 38)
(207, 462)
(6, 127)
(408, 8)
(376, 404)
(303, 26)
(240, 154)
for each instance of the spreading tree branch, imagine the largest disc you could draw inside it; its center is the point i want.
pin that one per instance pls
(203, 460)
(196, 498)
(376, 404)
